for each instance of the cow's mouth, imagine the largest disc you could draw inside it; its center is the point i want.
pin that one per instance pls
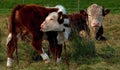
(96, 26)
(43, 30)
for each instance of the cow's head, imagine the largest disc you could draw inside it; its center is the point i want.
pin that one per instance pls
(95, 17)
(54, 22)
(95, 14)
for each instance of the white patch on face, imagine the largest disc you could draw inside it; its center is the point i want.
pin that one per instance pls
(9, 38)
(95, 15)
(96, 22)
(51, 23)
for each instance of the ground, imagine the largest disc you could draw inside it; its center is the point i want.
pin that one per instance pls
(105, 57)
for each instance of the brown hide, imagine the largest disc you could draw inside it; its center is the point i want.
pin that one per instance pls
(78, 22)
(28, 18)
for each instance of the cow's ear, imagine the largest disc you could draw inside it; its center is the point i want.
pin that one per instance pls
(105, 12)
(60, 17)
(83, 12)
(65, 16)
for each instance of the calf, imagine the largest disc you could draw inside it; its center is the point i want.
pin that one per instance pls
(94, 22)
(28, 18)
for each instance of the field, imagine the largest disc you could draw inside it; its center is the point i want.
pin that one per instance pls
(81, 55)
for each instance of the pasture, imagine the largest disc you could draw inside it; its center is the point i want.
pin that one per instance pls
(80, 54)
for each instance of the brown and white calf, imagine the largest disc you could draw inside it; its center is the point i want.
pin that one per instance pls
(29, 18)
(57, 22)
(94, 22)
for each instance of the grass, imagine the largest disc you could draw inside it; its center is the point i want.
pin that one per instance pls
(70, 5)
(82, 55)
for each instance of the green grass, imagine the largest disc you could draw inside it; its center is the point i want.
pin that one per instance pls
(70, 5)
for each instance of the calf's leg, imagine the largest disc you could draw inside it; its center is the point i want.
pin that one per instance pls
(99, 34)
(59, 51)
(55, 49)
(37, 43)
(52, 38)
(11, 46)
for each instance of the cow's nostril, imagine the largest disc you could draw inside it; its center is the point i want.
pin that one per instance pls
(42, 26)
(96, 24)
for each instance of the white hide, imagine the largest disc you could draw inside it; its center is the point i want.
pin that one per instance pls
(61, 8)
(45, 56)
(51, 23)
(66, 21)
(95, 15)
(63, 36)
(9, 62)
(9, 38)
(59, 60)
(96, 21)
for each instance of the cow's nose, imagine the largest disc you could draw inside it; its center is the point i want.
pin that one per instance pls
(42, 27)
(96, 24)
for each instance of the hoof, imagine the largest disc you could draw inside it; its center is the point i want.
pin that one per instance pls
(47, 61)
(10, 62)
(45, 58)
(59, 60)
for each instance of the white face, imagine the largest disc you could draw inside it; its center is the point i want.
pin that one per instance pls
(51, 23)
(95, 15)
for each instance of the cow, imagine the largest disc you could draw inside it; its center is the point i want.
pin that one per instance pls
(94, 21)
(28, 18)
(88, 23)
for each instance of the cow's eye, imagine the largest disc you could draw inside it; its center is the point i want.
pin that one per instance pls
(51, 19)
(89, 15)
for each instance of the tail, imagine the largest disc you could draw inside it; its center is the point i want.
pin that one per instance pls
(12, 18)
(12, 24)
(12, 28)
